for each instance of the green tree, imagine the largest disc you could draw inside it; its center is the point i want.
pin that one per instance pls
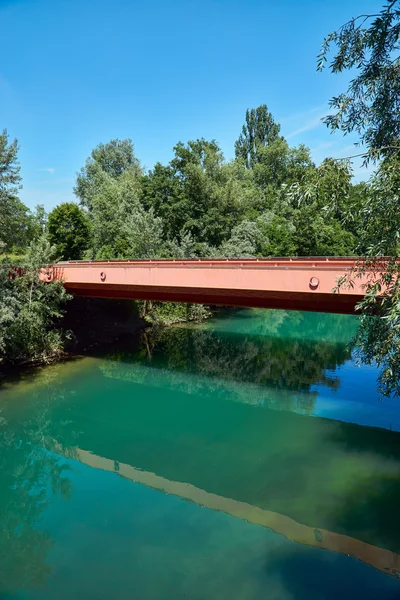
(244, 241)
(144, 234)
(318, 204)
(30, 309)
(109, 186)
(278, 235)
(14, 219)
(107, 161)
(369, 44)
(163, 191)
(318, 236)
(279, 164)
(193, 194)
(39, 221)
(69, 231)
(259, 131)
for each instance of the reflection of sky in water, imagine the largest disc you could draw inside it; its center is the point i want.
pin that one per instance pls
(356, 400)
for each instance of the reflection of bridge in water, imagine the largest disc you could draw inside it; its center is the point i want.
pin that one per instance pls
(379, 558)
(291, 283)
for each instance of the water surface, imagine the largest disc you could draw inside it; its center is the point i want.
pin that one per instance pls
(245, 458)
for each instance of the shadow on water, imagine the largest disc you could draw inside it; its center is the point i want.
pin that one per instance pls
(219, 417)
(327, 576)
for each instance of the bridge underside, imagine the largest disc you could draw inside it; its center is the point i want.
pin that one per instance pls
(307, 301)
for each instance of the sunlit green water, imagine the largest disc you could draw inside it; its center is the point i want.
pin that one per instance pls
(245, 458)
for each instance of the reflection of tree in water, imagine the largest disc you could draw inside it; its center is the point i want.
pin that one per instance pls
(291, 365)
(29, 473)
(321, 327)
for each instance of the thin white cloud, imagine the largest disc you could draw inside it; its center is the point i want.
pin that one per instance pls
(48, 170)
(322, 146)
(308, 126)
(305, 115)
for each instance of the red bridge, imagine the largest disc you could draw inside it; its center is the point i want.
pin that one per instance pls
(289, 283)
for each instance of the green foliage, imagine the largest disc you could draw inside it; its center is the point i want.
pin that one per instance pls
(109, 187)
(198, 165)
(69, 231)
(30, 308)
(37, 225)
(108, 161)
(380, 218)
(144, 234)
(14, 217)
(279, 164)
(319, 205)
(377, 339)
(162, 190)
(244, 241)
(317, 236)
(168, 313)
(278, 235)
(369, 45)
(259, 131)
(371, 105)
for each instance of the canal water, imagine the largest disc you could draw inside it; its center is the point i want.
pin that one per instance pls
(246, 458)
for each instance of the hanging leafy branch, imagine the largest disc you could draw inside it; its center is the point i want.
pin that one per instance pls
(370, 107)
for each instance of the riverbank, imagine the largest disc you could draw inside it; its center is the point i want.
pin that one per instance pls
(97, 325)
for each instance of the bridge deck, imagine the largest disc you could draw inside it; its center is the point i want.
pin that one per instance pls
(289, 283)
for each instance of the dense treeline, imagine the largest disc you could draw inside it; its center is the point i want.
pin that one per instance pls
(270, 200)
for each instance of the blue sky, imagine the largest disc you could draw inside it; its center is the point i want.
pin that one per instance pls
(78, 72)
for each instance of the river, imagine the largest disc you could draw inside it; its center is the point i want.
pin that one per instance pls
(245, 458)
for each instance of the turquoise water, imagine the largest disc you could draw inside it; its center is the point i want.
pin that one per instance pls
(245, 458)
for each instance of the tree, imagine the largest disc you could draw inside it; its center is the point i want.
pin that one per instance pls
(109, 186)
(69, 231)
(189, 194)
(163, 191)
(279, 164)
(30, 308)
(144, 232)
(368, 43)
(244, 241)
(278, 235)
(14, 219)
(259, 131)
(40, 217)
(318, 203)
(318, 236)
(107, 162)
